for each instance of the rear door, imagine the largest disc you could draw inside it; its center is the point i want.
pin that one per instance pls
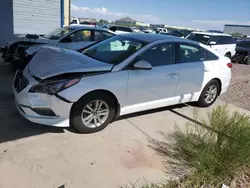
(77, 40)
(224, 45)
(191, 63)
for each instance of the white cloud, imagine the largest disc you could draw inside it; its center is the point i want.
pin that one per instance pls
(104, 13)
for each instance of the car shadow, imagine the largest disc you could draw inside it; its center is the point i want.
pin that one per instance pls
(12, 125)
(136, 114)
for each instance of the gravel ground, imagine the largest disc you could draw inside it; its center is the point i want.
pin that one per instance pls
(239, 89)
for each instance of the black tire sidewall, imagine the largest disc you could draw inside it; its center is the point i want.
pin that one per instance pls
(228, 55)
(201, 102)
(75, 116)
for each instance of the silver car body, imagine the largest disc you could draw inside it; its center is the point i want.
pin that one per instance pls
(135, 90)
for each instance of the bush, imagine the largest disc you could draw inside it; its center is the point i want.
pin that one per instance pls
(213, 151)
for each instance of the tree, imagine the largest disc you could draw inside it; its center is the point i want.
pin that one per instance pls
(236, 34)
(103, 22)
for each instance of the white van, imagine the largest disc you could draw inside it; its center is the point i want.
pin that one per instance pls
(224, 44)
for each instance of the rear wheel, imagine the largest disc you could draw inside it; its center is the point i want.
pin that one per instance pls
(93, 112)
(14, 66)
(247, 60)
(209, 94)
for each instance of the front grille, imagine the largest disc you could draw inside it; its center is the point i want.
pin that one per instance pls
(20, 82)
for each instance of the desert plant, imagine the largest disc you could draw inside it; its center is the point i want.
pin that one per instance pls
(214, 150)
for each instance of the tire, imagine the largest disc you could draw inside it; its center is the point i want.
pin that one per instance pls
(247, 61)
(80, 107)
(228, 54)
(202, 102)
(14, 66)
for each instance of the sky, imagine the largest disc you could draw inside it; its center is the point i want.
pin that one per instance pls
(201, 14)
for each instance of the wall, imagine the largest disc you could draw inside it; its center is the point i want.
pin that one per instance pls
(36, 16)
(6, 20)
(66, 12)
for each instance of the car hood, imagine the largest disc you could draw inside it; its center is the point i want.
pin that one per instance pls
(33, 49)
(24, 38)
(52, 61)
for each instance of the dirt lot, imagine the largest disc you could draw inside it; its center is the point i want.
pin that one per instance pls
(39, 156)
(239, 90)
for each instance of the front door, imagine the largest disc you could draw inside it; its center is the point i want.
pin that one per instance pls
(153, 88)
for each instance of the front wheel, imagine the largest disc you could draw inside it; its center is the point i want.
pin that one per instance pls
(209, 94)
(93, 112)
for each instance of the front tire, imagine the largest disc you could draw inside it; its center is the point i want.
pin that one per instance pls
(209, 94)
(93, 112)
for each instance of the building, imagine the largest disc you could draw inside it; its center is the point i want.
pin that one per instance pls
(241, 29)
(126, 21)
(31, 16)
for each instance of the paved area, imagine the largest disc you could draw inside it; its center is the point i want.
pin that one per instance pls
(33, 155)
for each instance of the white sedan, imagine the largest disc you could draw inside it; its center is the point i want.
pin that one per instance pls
(120, 75)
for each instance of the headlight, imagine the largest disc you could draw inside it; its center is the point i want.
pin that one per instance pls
(54, 87)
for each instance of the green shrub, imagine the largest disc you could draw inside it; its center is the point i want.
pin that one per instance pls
(213, 151)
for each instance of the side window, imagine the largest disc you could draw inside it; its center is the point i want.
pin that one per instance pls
(125, 29)
(221, 40)
(80, 36)
(101, 35)
(188, 53)
(225, 40)
(209, 56)
(162, 54)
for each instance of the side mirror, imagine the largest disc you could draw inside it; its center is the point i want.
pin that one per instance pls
(212, 43)
(142, 65)
(66, 40)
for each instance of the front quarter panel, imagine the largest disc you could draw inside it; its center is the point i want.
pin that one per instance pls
(114, 82)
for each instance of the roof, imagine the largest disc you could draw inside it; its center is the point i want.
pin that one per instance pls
(153, 37)
(86, 27)
(208, 33)
(230, 25)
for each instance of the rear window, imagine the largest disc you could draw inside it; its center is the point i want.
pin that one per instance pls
(202, 38)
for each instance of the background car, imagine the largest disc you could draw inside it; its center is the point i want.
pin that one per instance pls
(120, 75)
(222, 43)
(74, 37)
(242, 52)
(176, 33)
(121, 29)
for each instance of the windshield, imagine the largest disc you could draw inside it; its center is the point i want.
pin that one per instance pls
(114, 50)
(59, 33)
(202, 38)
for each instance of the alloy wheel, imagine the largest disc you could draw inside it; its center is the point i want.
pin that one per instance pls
(95, 113)
(211, 94)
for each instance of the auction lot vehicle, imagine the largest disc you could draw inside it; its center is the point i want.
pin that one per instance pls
(224, 44)
(74, 37)
(242, 52)
(121, 75)
(121, 29)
